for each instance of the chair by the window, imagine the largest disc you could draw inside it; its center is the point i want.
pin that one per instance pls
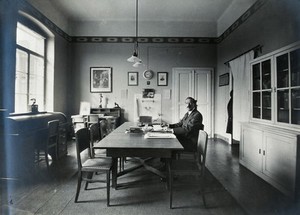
(191, 167)
(87, 168)
(50, 146)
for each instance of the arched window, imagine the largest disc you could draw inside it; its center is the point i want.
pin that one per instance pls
(34, 70)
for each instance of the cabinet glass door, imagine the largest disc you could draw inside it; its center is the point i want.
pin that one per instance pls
(283, 106)
(296, 106)
(295, 86)
(261, 90)
(282, 71)
(295, 68)
(288, 87)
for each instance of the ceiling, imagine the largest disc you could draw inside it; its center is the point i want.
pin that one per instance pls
(95, 10)
(217, 14)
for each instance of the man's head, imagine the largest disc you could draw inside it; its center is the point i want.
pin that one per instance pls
(191, 103)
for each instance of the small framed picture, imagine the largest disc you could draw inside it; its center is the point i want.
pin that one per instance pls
(224, 80)
(162, 79)
(133, 78)
(101, 79)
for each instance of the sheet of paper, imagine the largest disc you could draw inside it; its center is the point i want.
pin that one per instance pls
(159, 135)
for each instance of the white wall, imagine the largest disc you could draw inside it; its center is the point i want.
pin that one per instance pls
(146, 28)
(162, 58)
(232, 13)
(52, 13)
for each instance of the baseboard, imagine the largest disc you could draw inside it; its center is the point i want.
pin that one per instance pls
(226, 139)
(218, 136)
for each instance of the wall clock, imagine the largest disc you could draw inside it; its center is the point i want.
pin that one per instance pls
(148, 74)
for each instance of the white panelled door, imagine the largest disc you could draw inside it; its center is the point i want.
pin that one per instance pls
(197, 83)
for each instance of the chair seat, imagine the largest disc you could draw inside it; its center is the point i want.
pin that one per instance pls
(97, 164)
(184, 166)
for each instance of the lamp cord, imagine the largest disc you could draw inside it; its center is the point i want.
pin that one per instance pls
(136, 25)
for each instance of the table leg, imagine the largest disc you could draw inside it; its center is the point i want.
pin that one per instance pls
(169, 175)
(114, 172)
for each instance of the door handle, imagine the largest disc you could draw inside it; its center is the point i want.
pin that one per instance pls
(259, 151)
(264, 152)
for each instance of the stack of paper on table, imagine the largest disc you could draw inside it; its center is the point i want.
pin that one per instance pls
(159, 135)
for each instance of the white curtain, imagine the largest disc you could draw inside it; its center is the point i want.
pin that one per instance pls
(240, 69)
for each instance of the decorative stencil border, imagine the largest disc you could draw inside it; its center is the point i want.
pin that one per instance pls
(28, 8)
(143, 40)
(255, 7)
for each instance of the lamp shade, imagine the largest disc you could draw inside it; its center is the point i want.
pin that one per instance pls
(132, 59)
(137, 63)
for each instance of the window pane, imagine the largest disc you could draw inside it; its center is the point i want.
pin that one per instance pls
(282, 71)
(266, 105)
(40, 102)
(296, 106)
(36, 80)
(256, 76)
(21, 102)
(295, 68)
(36, 65)
(266, 74)
(21, 83)
(256, 105)
(283, 106)
(30, 39)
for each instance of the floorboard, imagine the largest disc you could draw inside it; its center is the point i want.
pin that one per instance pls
(231, 189)
(254, 194)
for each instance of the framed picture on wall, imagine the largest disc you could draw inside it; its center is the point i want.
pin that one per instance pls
(224, 79)
(162, 79)
(133, 78)
(101, 79)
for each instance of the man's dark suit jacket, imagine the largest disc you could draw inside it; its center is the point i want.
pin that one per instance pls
(187, 130)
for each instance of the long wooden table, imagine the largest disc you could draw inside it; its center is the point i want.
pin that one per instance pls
(120, 144)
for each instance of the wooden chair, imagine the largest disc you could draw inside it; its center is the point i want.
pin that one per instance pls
(91, 119)
(87, 168)
(105, 129)
(78, 122)
(186, 154)
(51, 143)
(95, 136)
(191, 167)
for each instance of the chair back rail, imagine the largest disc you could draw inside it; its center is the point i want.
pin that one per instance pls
(53, 132)
(94, 136)
(201, 149)
(82, 143)
(104, 128)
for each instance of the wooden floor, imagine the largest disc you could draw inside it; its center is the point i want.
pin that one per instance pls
(252, 193)
(247, 193)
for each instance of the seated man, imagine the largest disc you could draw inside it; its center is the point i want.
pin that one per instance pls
(187, 129)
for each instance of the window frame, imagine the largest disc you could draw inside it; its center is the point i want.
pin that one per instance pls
(36, 29)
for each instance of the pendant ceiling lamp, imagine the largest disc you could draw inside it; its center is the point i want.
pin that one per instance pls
(134, 58)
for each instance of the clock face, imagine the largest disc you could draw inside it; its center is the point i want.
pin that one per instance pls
(148, 74)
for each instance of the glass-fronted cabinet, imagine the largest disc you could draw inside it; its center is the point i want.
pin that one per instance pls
(261, 90)
(275, 87)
